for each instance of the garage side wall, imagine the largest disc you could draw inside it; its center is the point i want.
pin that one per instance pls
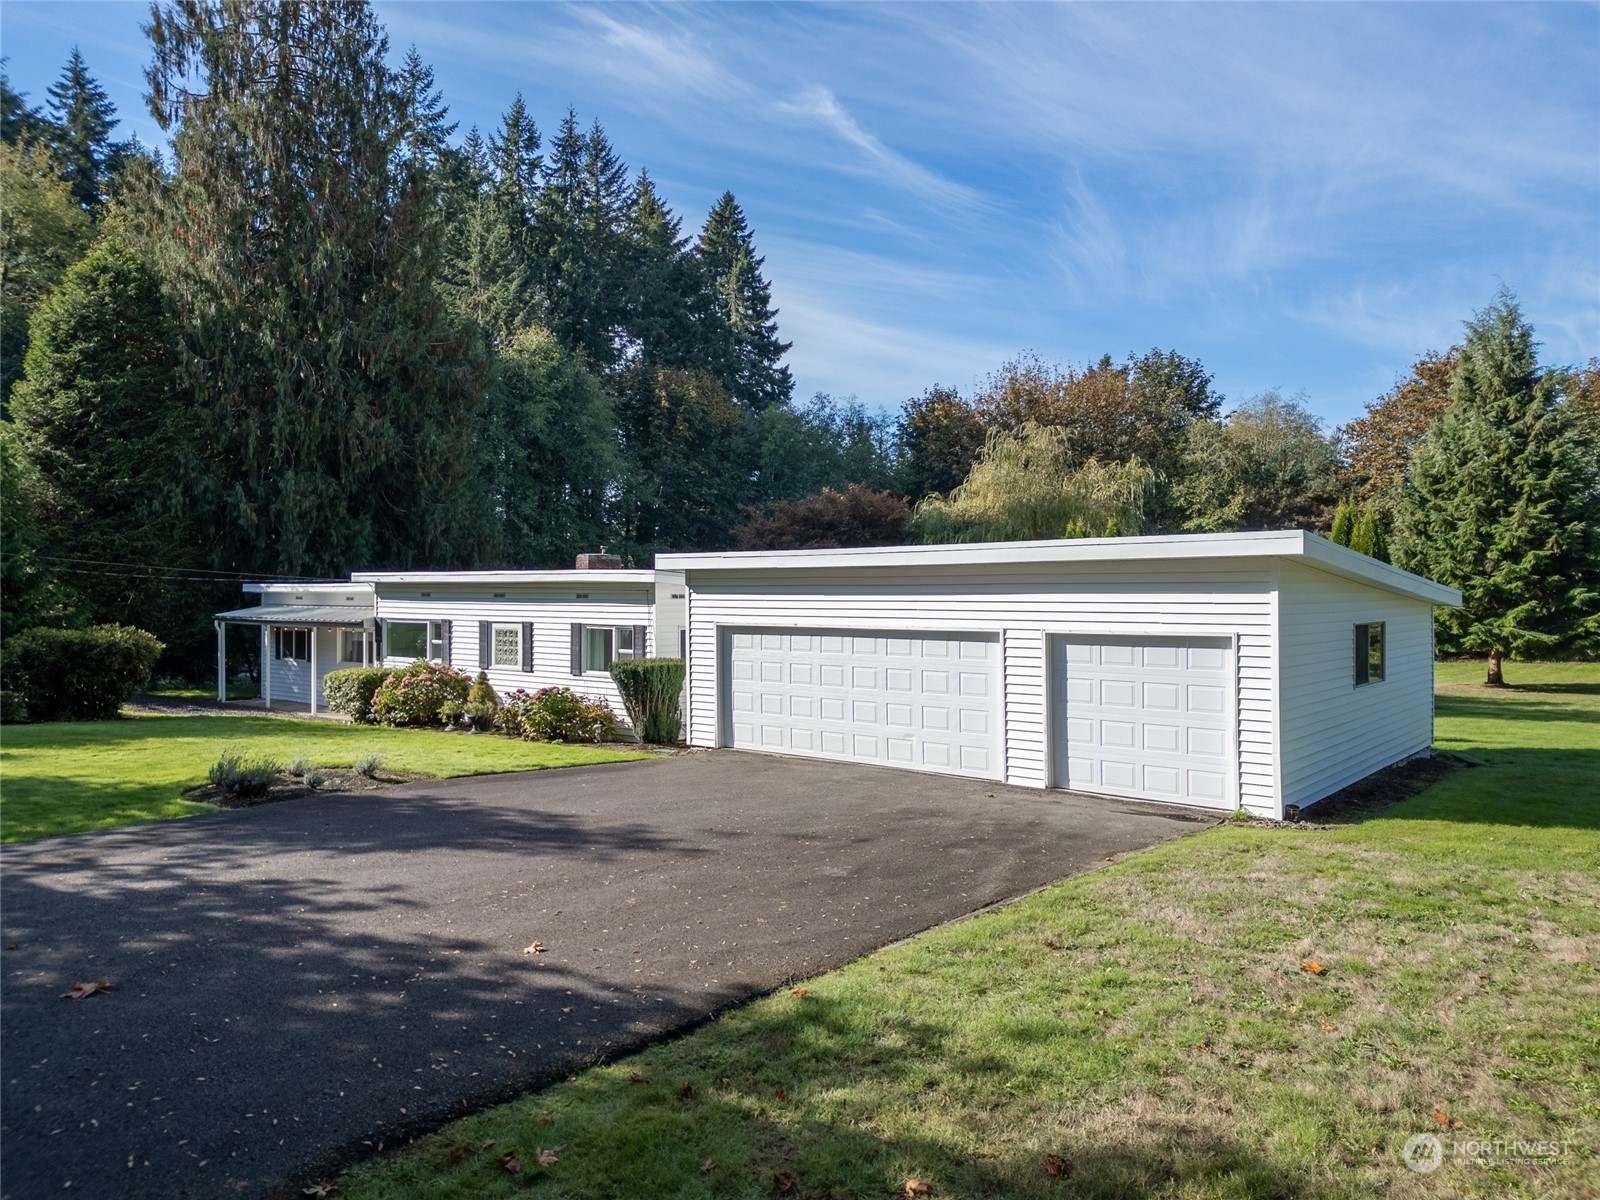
(1023, 605)
(1333, 732)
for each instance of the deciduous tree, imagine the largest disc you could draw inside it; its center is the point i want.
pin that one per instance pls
(1377, 447)
(42, 232)
(1267, 466)
(854, 516)
(938, 438)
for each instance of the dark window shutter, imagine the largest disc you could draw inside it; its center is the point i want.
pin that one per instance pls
(1361, 655)
(527, 647)
(640, 632)
(485, 645)
(577, 649)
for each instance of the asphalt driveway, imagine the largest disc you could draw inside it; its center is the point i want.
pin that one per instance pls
(307, 981)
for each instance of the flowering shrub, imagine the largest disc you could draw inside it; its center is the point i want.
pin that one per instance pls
(415, 695)
(556, 714)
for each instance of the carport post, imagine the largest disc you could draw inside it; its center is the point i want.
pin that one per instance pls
(222, 661)
(266, 666)
(312, 638)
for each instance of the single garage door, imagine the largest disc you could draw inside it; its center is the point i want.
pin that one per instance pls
(927, 701)
(1147, 718)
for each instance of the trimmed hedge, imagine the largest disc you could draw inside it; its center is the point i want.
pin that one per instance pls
(650, 689)
(351, 689)
(78, 674)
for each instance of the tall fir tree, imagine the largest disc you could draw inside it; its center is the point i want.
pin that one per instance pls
(109, 432)
(741, 346)
(428, 127)
(659, 280)
(1502, 500)
(80, 134)
(515, 164)
(299, 240)
(20, 122)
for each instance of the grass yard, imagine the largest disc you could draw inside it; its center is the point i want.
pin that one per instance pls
(69, 777)
(1151, 1024)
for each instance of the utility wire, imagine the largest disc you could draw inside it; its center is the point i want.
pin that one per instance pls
(149, 570)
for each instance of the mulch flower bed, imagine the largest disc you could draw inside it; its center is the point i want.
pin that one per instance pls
(292, 787)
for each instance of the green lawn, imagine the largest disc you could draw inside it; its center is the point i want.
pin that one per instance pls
(1151, 1023)
(69, 777)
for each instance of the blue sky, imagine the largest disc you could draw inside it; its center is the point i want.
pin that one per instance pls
(1301, 196)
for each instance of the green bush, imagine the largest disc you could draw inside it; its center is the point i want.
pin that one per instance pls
(556, 714)
(451, 712)
(350, 690)
(650, 689)
(13, 708)
(248, 778)
(368, 765)
(482, 703)
(78, 674)
(416, 694)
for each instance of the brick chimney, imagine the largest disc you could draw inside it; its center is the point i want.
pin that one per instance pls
(599, 562)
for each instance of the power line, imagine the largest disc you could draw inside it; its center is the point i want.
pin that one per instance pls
(149, 570)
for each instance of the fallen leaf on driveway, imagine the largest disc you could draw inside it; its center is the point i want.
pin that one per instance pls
(1057, 1167)
(550, 1157)
(511, 1162)
(915, 1187)
(1312, 965)
(81, 990)
(18, 946)
(533, 948)
(319, 1189)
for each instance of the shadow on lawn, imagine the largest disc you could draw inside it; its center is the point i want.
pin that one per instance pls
(649, 1132)
(1534, 789)
(1494, 705)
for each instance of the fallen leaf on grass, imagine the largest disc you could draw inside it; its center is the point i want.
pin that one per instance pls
(686, 1092)
(550, 1157)
(511, 1162)
(81, 990)
(1057, 1167)
(487, 1142)
(1446, 1119)
(533, 948)
(708, 1166)
(780, 1093)
(799, 991)
(635, 1077)
(457, 1153)
(915, 1187)
(1051, 944)
(784, 1181)
(1313, 966)
(546, 1119)
(1329, 1027)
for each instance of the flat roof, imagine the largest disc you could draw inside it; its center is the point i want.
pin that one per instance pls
(565, 576)
(1313, 550)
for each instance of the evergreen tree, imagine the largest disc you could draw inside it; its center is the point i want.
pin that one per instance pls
(107, 427)
(299, 243)
(42, 232)
(553, 456)
(1344, 522)
(515, 164)
(659, 279)
(1503, 501)
(20, 122)
(483, 278)
(80, 134)
(427, 124)
(741, 346)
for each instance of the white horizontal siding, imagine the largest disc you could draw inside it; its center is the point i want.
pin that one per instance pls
(1333, 732)
(291, 678)
(552, 610)
(1022, 602)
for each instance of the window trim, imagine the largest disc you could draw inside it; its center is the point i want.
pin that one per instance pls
(494, 646)
(1362, 648)
(360, 637)
(435, 638)
(610, 632)
(296, 632)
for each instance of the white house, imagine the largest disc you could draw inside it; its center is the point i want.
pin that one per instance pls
(307, 630)
(1254, 670)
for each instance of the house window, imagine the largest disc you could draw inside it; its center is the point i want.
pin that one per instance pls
(416, 639)
(1369, 653)
(507, 646)
(291, 643)
(351, 645)
(598, 647)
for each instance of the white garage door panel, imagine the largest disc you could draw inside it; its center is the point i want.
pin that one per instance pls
(1144, 718)
(929, 702)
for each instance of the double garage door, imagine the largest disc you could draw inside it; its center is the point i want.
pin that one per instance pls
(1138, 717)
(925, 701)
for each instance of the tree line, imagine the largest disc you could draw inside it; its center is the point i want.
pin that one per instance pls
(323, 332)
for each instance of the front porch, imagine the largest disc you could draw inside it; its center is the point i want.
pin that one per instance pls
(299, 645)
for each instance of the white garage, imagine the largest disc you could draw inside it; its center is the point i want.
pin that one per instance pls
(1250, 670)
(923, 700)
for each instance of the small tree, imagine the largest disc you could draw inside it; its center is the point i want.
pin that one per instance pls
(1503, 502)
(856, 516)
(1344, 523)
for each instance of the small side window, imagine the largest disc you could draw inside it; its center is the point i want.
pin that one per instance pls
(507, 646)
(1370, 649)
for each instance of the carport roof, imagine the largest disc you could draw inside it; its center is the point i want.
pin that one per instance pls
(1314, 551)
(298, 614)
